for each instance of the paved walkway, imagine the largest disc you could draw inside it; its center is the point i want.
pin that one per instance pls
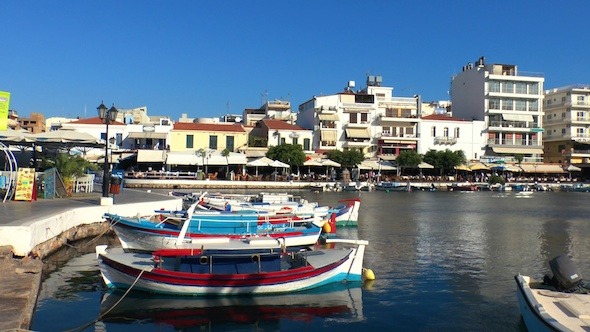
(15, 213)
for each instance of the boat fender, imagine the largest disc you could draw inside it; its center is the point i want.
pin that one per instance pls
(255, 258)
(286, 209)
(368, 274)
(204, 260)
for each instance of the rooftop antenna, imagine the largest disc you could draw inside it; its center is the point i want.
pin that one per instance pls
(263, 97)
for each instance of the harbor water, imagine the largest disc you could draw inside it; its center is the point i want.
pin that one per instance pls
(444, 261)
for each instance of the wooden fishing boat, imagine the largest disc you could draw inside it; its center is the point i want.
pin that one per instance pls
(558, 303)
(198, 272)
(346, 213)
(146, 234)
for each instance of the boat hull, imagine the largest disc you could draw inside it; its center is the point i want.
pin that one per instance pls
(133, 237)
(138, 271)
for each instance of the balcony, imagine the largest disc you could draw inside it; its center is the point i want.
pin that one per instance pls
(388, 135)
(445, 140)
(515, 126)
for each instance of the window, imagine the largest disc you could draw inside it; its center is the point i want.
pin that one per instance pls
(433, 131)
(494, 104)
(229, 143)
(533, 106)
(508, 87)
(446, 132)
(520, 105)
(520, 87)
(580, 100)
(306, 144)
(533, 88)
(119, 139)
(364, 117)
(283, 141)
(353, 117)
(456, 132)
(295, 141)
(494, 86)
(507, 104)
(190, 141)
(213, 142)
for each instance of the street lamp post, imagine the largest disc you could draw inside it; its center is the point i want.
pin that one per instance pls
(107, 116)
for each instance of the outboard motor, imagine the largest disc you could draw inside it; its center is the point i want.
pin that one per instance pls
(566, 276)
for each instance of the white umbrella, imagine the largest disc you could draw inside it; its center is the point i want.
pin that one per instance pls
(329, 162)
(278, 163)
(260, 162)
(424, 165)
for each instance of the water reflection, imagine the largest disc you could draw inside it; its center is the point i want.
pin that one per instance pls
(339, 303)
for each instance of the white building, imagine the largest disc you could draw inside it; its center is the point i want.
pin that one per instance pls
(442, 132)
(510, 103)
(274, 110)
(370, 120)
(567, 125)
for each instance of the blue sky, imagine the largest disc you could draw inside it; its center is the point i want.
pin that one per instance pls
(209, 58)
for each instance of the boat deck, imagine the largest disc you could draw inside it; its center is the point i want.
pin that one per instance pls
(572, 310)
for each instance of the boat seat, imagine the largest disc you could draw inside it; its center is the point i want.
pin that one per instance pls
(576, 307)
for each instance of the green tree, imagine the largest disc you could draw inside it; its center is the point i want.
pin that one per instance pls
(288, 153)
(347, 158)
(446, 160)
(407, 158)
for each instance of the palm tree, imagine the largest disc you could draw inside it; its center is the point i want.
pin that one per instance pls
(203, 154)
(226, 153)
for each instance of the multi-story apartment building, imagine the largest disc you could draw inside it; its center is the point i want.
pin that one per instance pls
(370, 120)
(508, 101)
(567, 125)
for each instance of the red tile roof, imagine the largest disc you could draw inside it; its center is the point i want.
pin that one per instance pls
(209, 127)
(96, 120)
(280, 125)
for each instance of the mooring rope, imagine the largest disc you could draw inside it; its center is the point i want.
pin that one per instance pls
(111, 308)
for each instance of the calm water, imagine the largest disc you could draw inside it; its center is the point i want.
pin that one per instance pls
(443, 261)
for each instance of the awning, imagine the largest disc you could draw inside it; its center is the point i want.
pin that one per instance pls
(357, 133)
(328, 135)
(151, 156)
(181, 159)
(147, 134)
(542, 168)
(517, 117)
(375, 165)
(538, 150)
(328, 116)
